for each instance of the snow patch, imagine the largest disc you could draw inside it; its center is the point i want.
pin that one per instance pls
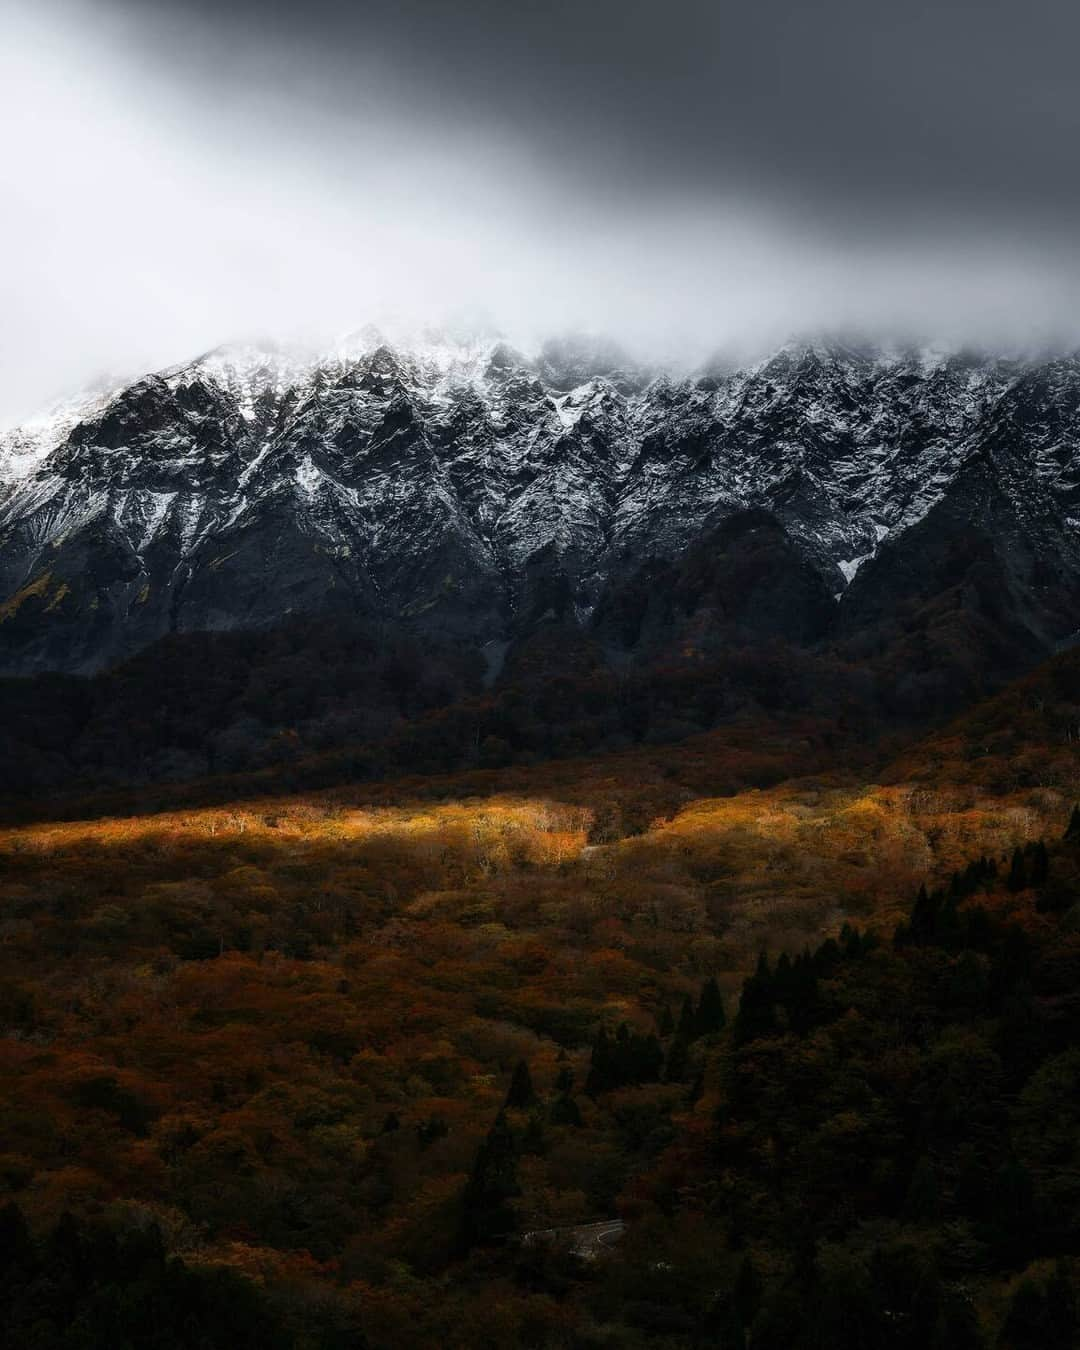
(852, 565)
(307, 477)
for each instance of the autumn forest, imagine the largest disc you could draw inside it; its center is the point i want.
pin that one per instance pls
(756, 1036)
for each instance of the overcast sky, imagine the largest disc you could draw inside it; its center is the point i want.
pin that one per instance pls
(685, 174)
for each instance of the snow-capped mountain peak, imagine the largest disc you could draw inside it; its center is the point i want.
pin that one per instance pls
(458, 477)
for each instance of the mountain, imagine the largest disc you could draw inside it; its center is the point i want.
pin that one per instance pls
(901, 500)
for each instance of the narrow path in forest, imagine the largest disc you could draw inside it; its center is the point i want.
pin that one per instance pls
(586, 1240)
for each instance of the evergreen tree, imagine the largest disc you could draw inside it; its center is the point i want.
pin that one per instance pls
(1062, 1315)
(1017, 872)
(533, 1140)
(678, 1058)
(1039, 865)
(649, 1060)
(923, 1199)
(628, 1058)
(1012, 1209)
(520, 1095)
(757, 1016)
(957, 1327)
(924, 916)
(622, 1061)
(492, 1184)
(723, 1327)
(746, 1296)
(16, 1248)
(710, 1013)
(1027, 1325)
(802, 1000)
(600, 1065)
(565, 1111)
(949, 929)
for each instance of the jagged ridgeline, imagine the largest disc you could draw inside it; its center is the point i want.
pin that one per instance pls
(469, 491)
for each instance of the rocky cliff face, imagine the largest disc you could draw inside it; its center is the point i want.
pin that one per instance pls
(469, 490)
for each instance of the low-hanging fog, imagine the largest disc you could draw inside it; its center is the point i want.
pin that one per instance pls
(686, 176)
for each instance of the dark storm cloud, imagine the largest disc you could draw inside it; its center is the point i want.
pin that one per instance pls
(870, 106)
(686, 174)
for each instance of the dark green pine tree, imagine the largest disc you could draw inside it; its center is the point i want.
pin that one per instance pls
(1017, 872)
(803, 996)
(1062, 1313)
(623, 1056)
(923, 1194)
(16, 1246)
(665, 1023)
(648, 1059)
(533, 1140)
(1038, 865)
(746, 1296)
(710, 1012)
(1027, 1324)
(687, 1020)
(1012, 1209)
(949, 929)
(757, 1012)
(1072, 830)
(520, 1095)
(678, 1059)
(924, 915)
(599, 1078)
(723, 1327)
(565, 1111)
(492, 1184)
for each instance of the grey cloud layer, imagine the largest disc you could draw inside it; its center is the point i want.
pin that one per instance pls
(923, 105)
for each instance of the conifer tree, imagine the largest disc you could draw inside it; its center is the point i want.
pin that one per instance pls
(1062, 1313)
(565, 1111)
(923, 1194)
(746, 1296)
(803, 996)
(520, 1095)
(600, 1064)
(1039, 866)
(710, 1013)
(492, 1184)
(757, 1015)
(924, 916)
(678, 1058)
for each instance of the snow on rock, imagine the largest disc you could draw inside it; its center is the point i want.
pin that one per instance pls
(308, 477)
(429, 458)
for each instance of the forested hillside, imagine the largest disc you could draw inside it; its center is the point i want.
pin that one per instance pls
(314, 1065)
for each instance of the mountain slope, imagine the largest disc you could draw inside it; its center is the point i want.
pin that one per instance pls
(467, 491)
